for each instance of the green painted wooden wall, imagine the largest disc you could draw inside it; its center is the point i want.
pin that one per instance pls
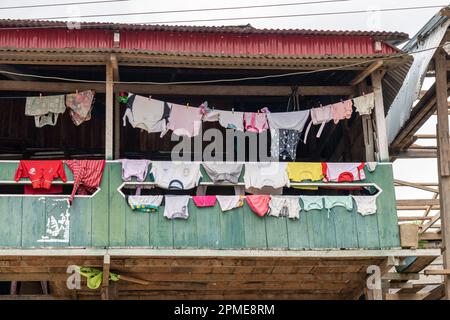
(105, 220)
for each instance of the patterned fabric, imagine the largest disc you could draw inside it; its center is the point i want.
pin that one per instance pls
(45, 109)
(284, 143)
(255, 122)
(144, 203)
(364, 104)
(80, 105)
(87, 176)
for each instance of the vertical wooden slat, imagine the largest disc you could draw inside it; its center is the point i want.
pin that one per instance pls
(386, 208)
(109, 105)
(161, 230)
(137, 228)
(254, 229)
(33, 221)
(185, 231)
(383, 146)
(100, 212)
(232, 229)
(10, 221)
(344, 224)
(117, 214)
(81, 222)
(443, 159)
(298, 233)
(208, 226)
(277, 235)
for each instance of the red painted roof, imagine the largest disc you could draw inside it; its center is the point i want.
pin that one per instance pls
(238, 40)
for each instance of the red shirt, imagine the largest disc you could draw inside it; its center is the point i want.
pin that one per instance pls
(40, 172)
(87, 176)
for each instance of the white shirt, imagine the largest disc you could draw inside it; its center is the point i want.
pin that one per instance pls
(176, 175)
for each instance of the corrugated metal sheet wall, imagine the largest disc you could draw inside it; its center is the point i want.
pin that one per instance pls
(233, 44)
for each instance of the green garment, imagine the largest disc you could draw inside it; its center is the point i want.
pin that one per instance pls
(95, 276)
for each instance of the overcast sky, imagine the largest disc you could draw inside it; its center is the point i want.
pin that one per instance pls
(409, 21)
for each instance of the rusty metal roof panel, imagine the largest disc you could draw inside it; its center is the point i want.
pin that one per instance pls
(240, 29)
(237, 40)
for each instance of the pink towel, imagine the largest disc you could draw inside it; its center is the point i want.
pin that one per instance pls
(258, 203)
(204, 201)
(341, 110)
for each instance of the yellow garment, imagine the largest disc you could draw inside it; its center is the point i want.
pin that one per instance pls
(305, 171)
(95, 276)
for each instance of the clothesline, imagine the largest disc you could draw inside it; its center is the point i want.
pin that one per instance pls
(177, 206)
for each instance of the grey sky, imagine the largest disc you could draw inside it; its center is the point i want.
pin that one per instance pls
(406, 21)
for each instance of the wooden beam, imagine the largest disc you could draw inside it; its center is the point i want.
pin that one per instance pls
(417, 202)
(412, 218)
(435, 294)
(445, 272)
(443, 143)
(381, 131)
(366, 72)
(105, 280)
(415, 185)
(117, 118)
(429, 224)
(401, 276)
(203, 90)
(416, 154)
(109, 106)
(430, 236)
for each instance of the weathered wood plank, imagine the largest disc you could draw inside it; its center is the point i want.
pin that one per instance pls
(33, 221)
(298, 233)
(185, 231)
(117, 214)
(232, 229)
(277, 232)
(81, 222)
(137, 229)
(208, 226)
(10, 221)
(254, 229)
(344, 223)
(161, 230)
(100, 213)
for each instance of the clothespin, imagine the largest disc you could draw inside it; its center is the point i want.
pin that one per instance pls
(232, 110)
(150, 97)
(363, 93)
(40, 95)
(76, 91)
(187, 105)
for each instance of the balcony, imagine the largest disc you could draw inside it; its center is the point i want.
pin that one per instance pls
(105, 220)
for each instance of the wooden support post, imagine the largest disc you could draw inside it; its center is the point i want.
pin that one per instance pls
(368, 137)
(116, 76)
(366, 72)
(109, 106)
(381, 131)
(443, 159)
(105, 281)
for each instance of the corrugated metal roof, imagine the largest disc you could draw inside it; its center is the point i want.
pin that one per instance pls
(138, 57)
(240, 29)
(196, 42)
(406, 84)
